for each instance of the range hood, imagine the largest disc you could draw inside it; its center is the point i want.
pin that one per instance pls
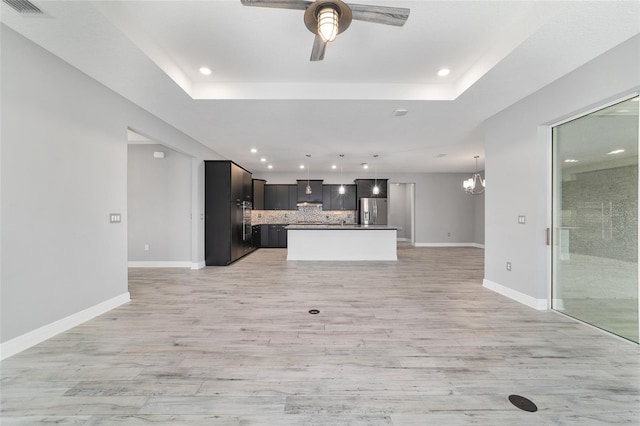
(313, 199)
(309, 203)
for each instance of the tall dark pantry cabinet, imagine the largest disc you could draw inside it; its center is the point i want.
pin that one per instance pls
(227, 210)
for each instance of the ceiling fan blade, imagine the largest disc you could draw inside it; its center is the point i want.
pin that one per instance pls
(279, 4)
(319, 46)
(380, 14)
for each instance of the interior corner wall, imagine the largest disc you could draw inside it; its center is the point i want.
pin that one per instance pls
(63, 171)
(478, 217)
(197, 214)
(517, 166)
(158, 205)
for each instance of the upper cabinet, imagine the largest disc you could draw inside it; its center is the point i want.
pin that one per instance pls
(293, 197)
(316, 191)
(247, 186)
(365, 188)
(257, 189)
(280, 197)
(333, 200)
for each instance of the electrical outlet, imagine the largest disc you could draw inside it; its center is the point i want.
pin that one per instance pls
(508, 266)
(448, 234)
(146, 247)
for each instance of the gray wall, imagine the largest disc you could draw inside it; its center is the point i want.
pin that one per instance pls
(517, 149)
(159, 204)
(442, 206)
(399, 205)
(478, 217)
(64, 169)
(408, 225)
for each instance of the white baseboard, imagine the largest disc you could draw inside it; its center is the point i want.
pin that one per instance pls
(449, 245)
(159, 264)
(198, 265)
(32, 338)
(403, 239)
(532, 302)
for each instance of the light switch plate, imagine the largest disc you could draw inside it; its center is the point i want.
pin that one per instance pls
(521, 220)
(115, 218)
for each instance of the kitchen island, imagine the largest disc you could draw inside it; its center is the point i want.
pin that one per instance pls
(341, 242)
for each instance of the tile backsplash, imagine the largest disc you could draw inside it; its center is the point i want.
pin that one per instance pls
(303, 214)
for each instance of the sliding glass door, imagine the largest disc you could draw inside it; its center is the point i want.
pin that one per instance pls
(595, 219)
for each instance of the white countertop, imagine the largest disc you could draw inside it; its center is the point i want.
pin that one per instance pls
(337, 227)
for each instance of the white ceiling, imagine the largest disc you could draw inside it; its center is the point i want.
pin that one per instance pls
(265, 93)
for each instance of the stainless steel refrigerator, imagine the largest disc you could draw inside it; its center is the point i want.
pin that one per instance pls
(373, 211)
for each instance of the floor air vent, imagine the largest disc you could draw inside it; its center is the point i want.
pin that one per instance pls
(24, 6)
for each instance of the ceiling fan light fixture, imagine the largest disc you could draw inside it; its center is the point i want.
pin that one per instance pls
(328, 22)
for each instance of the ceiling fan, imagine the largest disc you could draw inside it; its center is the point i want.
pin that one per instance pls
(328, 18)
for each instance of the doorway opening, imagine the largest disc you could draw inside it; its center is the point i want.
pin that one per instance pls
(402, 210)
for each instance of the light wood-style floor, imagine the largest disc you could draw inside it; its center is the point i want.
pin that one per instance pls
(413, 342)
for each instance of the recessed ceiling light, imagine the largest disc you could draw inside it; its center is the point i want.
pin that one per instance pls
(263, 160)
(253, 150)
(365, 166)
(205, 71)
(570, 160)
(302, 166)
(616, 151)
(400, 112)
(270, 166)
(444, 72)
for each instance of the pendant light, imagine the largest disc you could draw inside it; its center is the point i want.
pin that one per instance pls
(328, 22)
(308, 188)
(475, 184)
(376, 189)
(341, 189)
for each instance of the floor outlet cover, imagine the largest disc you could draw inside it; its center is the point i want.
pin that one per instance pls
(523, 403)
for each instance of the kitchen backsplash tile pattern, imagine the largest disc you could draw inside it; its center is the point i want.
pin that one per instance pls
(303, 214)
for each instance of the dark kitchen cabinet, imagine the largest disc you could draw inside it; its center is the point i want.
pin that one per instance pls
(333, 200)
(247, 187)
(264, 235)
(257, 189)
(281, 239)
(273, 236)
(316, 191)
(227, 225)
(293, 196)
(276, 197)
(256, 235)
(365, 188)
(326, 197)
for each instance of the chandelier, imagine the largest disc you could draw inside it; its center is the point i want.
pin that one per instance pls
(475, 184)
